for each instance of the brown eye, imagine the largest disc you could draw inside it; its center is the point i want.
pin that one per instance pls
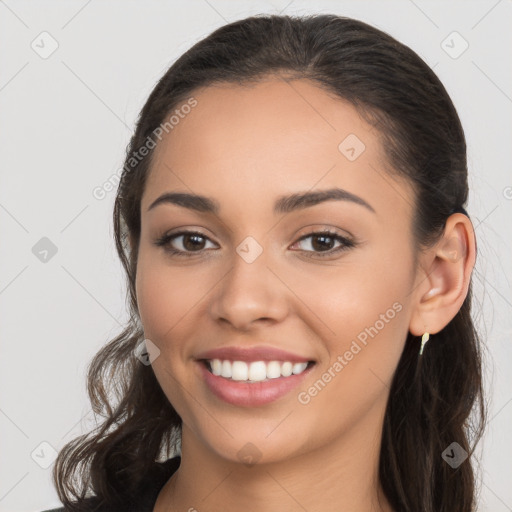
(191, 242)
(324, 241)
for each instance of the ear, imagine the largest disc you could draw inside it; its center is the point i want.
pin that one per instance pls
(443, 277)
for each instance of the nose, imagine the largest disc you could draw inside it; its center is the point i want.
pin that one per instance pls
(249, 294)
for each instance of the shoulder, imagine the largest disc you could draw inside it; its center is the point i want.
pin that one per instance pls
(149, 489)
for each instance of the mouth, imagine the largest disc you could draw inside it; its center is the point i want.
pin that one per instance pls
(252, 384)
(255, 371)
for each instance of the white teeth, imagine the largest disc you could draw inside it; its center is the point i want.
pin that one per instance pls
(298, 368)
(240, 370)
(216, 366)
(255, 371)
(286, 369)
(273, 370)
(226, 369)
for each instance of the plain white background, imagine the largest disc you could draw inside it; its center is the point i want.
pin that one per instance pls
(66, 120)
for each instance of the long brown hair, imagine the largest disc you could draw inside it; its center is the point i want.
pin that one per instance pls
(432, 397)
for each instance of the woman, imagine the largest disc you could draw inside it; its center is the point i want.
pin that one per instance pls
(291, 221)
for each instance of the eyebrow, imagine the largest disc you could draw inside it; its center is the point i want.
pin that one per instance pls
(284, 204)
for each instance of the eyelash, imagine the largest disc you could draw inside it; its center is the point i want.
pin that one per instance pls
(165, 240)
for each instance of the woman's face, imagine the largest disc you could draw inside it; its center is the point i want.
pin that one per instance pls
(254, 278)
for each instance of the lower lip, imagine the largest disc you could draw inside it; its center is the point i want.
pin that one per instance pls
(251, 394)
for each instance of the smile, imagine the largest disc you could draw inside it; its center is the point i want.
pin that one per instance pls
(256, 371)
(252, 384)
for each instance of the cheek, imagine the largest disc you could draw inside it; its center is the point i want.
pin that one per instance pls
(355, 294)
(152, 299)
(159, 304)
(168, 297)
(367, 315)
(363, 309)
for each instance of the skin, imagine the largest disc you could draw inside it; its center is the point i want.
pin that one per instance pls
(245, 147)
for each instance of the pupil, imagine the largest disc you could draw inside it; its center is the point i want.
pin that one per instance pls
(193, 245)
(322, 237)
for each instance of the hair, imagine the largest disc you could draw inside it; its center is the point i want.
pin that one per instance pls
(431, 397)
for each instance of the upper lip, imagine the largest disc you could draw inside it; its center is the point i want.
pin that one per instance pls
(250, 354)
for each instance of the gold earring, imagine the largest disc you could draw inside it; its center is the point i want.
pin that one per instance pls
(424, 340)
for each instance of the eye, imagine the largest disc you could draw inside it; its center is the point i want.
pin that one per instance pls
(192, 241)
(322, 242)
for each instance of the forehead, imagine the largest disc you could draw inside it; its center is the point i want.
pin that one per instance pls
(247, 143)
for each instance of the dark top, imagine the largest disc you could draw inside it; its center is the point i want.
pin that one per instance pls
(151, 486)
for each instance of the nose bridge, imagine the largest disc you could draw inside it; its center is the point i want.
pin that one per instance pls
(249, 291)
